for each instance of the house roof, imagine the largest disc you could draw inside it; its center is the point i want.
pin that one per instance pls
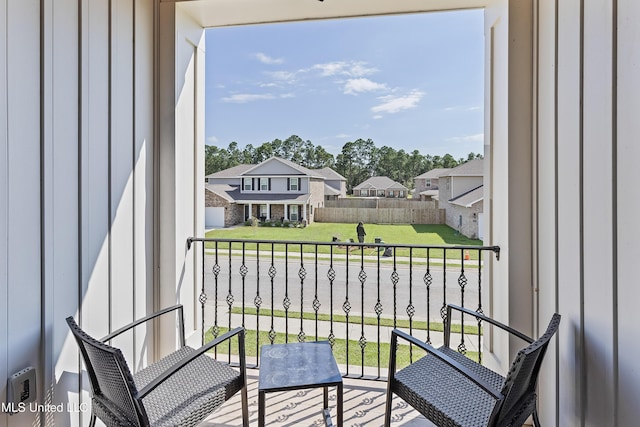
(232, 172)
(329, 173)
(232, 194)
(469, 198)
(227, 192)
(433, 173)
(379, 183)
(301, 170)
(429, 193)
(473, 167)
(330, 191)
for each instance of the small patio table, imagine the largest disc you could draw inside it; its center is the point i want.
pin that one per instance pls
(296, 366)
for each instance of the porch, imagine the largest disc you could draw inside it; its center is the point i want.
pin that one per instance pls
(363, 406)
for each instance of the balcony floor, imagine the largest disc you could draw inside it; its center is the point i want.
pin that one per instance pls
(363, 401)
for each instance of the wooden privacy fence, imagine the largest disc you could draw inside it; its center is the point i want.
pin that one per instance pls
(381, 215)
(379, 203)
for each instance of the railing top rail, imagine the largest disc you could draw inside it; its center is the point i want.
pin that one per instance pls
(494, 249)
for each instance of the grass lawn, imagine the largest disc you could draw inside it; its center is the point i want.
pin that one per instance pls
(438, 235)
(371, 351)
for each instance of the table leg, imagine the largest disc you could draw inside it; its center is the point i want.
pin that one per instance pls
(326, 398)
(261, 408)
(340, 409)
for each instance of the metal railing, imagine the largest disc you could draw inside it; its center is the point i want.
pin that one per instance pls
(351, 294)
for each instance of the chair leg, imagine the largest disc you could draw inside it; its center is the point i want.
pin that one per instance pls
(536, 421)
(387, 411)
(245, 407)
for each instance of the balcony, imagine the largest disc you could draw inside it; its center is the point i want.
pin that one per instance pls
(351, 295)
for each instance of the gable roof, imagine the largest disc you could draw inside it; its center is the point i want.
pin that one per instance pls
(227, 192)
(473, 167)
(379, 183)
(300, 170)
(232, 172)
(330, 191)
(469, 198)
(433, 173)
(329, 173)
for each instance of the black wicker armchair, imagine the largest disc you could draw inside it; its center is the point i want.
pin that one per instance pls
(180, 389)
(452, 390)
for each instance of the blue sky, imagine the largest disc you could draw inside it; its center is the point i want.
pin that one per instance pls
(412, 82)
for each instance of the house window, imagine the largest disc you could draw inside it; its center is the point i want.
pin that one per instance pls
(401, 193)
(380, 193)
(428, 182)
(363, 192)
(293, 212)
(264, 184)
(391, 193)
(294, 184)
(248, 184)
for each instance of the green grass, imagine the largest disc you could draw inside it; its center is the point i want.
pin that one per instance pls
(339, 349)
(357, 320)
(438, 235)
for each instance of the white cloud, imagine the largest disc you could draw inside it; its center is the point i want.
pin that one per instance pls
(478, 137)
(342, 68)
(211, 140)
(461, 108)
(377, 117)
(355, 86)
(243, 98)
(266, 59)
(394, 104)
(342, 136)
(287, 76)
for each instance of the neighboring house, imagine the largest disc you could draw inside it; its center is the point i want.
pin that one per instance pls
(461, 195)
(335, 185)
(381, 186)
(274, 190)
(426, 185)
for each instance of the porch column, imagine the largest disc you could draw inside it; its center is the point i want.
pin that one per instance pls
(269, 211)
(304, 212)
(286, 212)
(250, 210)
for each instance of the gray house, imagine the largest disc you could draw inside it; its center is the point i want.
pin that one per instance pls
(461, 195)
(426, 185)
(274, 190)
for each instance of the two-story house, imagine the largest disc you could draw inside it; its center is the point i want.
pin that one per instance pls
(274, 190)
(460, 193)
(335, 184)
(426, 185)
(380, 186)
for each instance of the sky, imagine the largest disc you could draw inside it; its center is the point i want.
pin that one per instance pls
(411, 82)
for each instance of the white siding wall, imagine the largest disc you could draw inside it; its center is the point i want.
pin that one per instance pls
(587, 210)
(76, 155)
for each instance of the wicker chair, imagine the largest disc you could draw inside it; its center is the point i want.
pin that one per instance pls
(452, 390)
(180, 389)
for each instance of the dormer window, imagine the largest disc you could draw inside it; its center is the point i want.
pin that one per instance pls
(247, 184)
(294, 184)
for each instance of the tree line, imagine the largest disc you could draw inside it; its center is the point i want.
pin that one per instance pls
(358, 160)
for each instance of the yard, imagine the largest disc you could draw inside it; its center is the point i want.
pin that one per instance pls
(422, 234)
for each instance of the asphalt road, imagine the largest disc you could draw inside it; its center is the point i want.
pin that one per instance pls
(346, 290)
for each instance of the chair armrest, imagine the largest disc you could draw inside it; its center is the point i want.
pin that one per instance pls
(146, 319)
(189, 358)
(481, 317)
(446, 359)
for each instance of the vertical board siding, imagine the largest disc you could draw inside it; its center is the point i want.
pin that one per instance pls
(61, 186)
(546, 194)
(598, 220)
(628, 208)
(4, 205)
(143, 165)
(122, 148)
(23, 205)
(569, 216)
(95, 218)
